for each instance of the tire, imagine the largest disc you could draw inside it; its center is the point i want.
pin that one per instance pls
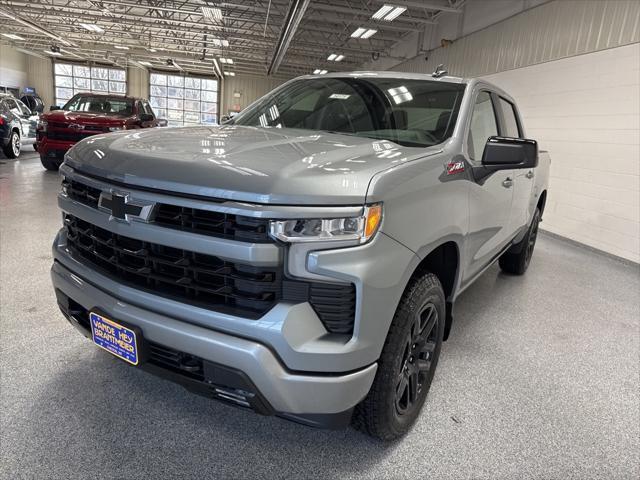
(49, 163)
(12, 149)
(516, 260)
(35, 147)
(392, 406)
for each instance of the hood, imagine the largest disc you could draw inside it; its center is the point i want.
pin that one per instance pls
(260, 165)
(87, 118)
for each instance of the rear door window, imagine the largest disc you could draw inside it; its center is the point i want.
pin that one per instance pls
(510, 126)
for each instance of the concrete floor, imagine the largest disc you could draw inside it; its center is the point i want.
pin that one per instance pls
(540, 379)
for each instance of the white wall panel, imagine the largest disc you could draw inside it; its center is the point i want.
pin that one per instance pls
(40, 77)
(13, 67)
(586, 111)
(248, 87)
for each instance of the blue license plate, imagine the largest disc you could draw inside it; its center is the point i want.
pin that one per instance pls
(114, 338)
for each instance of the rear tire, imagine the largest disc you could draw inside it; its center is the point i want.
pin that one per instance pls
(516, 260)
(49, 163)
(12, 149)
(407, 364)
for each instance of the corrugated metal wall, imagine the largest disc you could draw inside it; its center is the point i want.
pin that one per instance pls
(40, 77)
(249, 89)
(554, 30)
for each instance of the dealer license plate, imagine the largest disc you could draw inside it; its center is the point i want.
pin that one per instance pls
(114, 338)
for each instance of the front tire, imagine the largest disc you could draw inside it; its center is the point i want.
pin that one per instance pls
(516, 260)
(12, 149)
(49, 163)
(408, 362)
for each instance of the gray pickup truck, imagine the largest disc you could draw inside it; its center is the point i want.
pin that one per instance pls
(303, 260)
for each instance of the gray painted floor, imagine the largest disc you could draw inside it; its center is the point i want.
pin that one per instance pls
(540, 379)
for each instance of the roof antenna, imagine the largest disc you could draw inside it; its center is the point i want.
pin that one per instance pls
(440, 71)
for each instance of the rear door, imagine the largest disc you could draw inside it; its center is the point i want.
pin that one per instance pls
(490, 198)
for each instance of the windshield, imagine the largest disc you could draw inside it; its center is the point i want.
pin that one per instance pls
(100, 104)
(409, 112)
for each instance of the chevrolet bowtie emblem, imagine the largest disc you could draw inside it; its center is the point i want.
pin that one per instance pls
(121, 208)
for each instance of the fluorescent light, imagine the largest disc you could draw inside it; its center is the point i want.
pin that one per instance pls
(212, 13)
(92, 27)
(230, 74)
(332, 57)
(146, 64)
(382, 12)
(121, 47)
(339, 58)
(226, 60)
(395, 13)
(363, 32)
(55, 54)
(317, 71)
(388, 13)
(13, 36)
(220, 43)
(369, 33)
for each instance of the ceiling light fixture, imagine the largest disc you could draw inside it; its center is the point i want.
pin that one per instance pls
(92, 27)
(212, 13)
(13, 36)
(339, 58)
(226, 60)
(146, 64)
(363, 33)
(217, 42)
(230, 74)
(55, 54)
(317, 71)
(388, 13)
(121, 47)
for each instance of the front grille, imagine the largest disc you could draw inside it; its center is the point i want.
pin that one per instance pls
(198, 279)
(61, 131)
(82, 193)
(217, 224)
(203, 222)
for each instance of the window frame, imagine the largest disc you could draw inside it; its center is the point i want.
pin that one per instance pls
(184, 98)
(75, 90)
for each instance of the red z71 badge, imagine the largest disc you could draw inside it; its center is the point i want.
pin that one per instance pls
(454, 167)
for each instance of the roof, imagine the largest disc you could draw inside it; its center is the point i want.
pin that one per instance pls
(391, 74)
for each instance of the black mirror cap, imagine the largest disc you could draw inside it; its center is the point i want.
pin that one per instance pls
(510, 153)
(54, 107)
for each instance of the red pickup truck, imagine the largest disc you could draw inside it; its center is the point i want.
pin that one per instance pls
(87, 114)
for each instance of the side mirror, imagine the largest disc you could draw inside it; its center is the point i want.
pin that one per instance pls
(502, 153)
(146, 117)
(54, 107)
(163, 122)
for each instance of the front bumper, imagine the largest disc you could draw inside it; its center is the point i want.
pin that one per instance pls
(52, 148)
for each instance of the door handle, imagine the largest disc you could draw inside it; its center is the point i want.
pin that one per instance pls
(529, 174)
(507, 183)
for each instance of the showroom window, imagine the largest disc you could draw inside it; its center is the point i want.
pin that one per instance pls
(184, 100)
(71, 79)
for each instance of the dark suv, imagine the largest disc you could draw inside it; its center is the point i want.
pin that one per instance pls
(87, 114)
(17, 124)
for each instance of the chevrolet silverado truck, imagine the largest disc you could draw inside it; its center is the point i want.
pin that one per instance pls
(304, 259)
(87, 114)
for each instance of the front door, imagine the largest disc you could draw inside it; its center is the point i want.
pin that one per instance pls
(491, 197)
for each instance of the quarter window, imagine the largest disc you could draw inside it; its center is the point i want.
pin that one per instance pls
(184, 100)
(483, 125)
(510, 123)
(71, 79)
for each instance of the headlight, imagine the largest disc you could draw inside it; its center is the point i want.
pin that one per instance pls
(115, 129)
(42, 125)
(360, 229)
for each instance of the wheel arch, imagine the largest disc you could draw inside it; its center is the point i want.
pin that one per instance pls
(542, 201)
(444, 262)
